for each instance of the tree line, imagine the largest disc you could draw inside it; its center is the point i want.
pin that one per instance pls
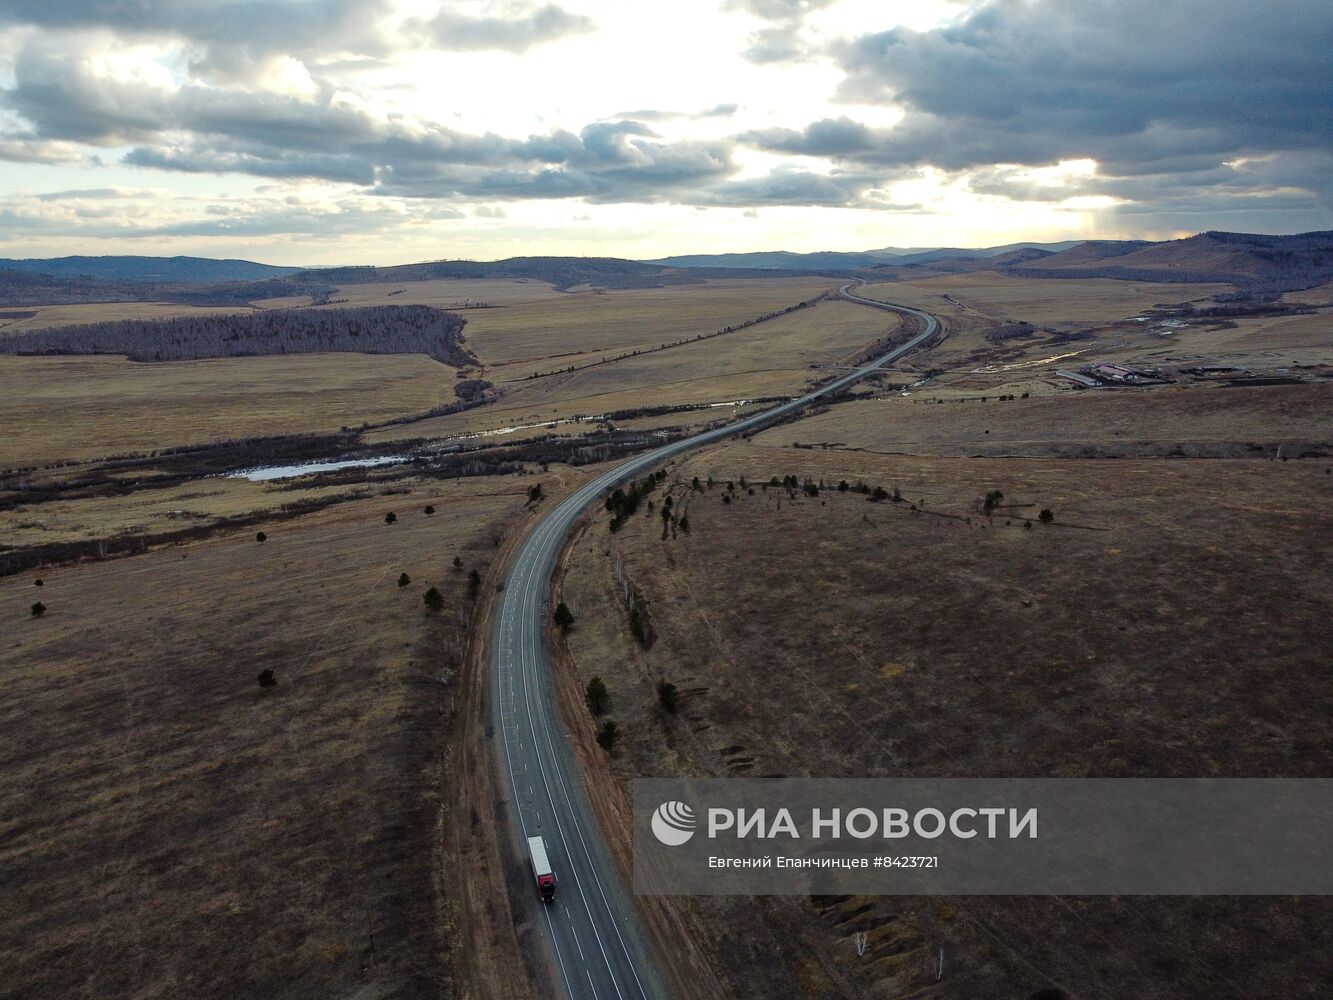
(369, 330)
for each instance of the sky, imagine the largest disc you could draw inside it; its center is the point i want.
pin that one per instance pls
(389, 131)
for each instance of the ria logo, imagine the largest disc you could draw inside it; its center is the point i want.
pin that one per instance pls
(673, 823)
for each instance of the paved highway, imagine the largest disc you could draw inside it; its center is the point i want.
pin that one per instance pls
(596, 947)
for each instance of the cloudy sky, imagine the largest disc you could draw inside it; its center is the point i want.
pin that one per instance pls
(386, 131)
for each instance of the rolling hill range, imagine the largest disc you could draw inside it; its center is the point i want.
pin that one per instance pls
(1258, 265)
(1255, 264)
(784, 260)
(200, 270)
(562, 272)
(27, 285)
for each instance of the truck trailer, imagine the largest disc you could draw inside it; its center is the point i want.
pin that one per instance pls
(541, 869)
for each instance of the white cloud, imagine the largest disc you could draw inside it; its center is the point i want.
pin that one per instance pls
(501, 120)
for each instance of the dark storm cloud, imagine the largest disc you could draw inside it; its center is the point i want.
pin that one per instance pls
(1136, 84)
(227, 41)
(515, 31)
(1195, 107)
(205, 129)
(778, 10)
(789, 187)
(777, 45)
(784, 39)
(90, 194)
(839, 137)
(232, 30)
(649, 115)
(193, 128)
(341, 220)
(129, 214)
(63, 100)
(272, 164)
(208, 20)
(236, 34)
(605, 162)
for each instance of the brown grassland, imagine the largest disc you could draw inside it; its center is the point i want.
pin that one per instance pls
(1165, 624)
(170, 828)
(523, 334)
(108, 405)
(771, 358)
(69, 315)
(91, 407)
(1194, 421)
(1063, 303)
(148, 512)
(1322, 295)
(445, 294)
(1089, 320)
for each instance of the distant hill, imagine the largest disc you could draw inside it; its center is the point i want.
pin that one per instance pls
(916, 252)
(20, 287)
(773, 260)
(195, 270)
(562, 272)
(1092, 252)
(1014, 258)
(1256, 263)
(782, 260)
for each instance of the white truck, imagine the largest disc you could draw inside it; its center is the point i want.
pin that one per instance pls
(541, 868)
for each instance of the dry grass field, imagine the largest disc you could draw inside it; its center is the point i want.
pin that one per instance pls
(1167, 623)
(768, 359)
(524, 335)
(68, 315)
(1060, 303)
(91, 407)
(444, 294)
(169, 828)
(1264, 341)
(1194, 421)
(1100, 316)
(1321, 295)
(148, 512)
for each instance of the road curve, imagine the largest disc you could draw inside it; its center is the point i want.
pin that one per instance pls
(596, 947)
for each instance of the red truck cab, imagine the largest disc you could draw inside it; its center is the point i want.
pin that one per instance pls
(541, 869)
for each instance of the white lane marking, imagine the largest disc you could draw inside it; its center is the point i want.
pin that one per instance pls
(514, 602)
(528, 656)
(550, 928)
(578, 946)
(547, 547)
(544, 546)
(531, 656)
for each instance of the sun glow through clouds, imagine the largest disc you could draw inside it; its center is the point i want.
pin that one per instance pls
(508, 127)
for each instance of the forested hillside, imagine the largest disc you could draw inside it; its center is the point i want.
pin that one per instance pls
(372, 330)
(22, 288)
(134, 268)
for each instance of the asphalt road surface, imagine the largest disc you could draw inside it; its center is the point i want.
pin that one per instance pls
(596, 947)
